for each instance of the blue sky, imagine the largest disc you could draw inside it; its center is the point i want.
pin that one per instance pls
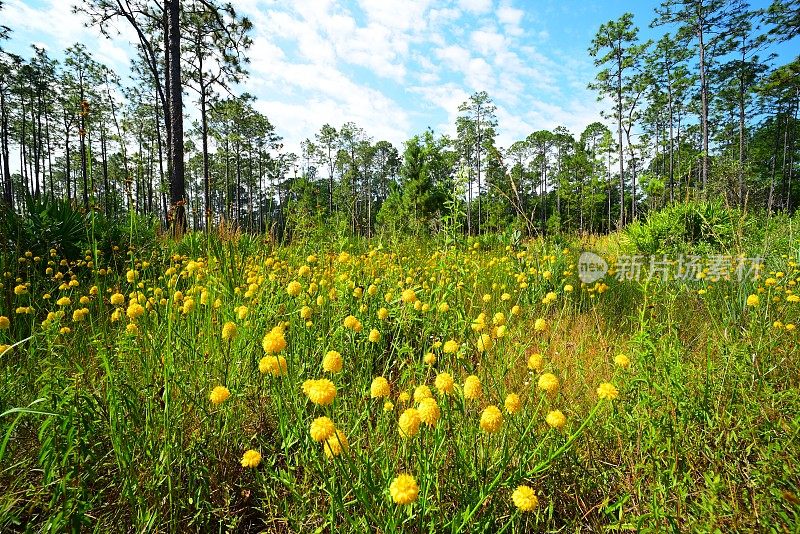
(394, 67)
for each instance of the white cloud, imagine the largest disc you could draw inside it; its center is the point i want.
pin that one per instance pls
(476, 6)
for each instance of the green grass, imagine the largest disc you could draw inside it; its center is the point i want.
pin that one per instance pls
(110, 430)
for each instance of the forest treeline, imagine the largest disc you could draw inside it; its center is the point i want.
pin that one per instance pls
(705, 111)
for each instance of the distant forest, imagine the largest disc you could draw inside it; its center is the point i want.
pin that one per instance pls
(702, 112)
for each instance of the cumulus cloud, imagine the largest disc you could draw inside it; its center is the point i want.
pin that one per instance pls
(394, 67)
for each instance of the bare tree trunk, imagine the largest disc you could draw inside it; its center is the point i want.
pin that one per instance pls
(177, 185)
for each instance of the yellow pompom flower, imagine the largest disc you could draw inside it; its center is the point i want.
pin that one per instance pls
(525, 498)
(409, 423)
(422, 392)
(450, 346)
(535, 362)
(429, 411)
(548, 383)
(374, 336)
(383, 313)
(5, 322)
(556, 419)
(491, 419)
(404, 489)
(117, 299)
(332, 362)
(352, 323)
(512, 403)
(229, 331)
(64, 301)
(752, 300)
(472, 388)
(322, 428)
(251, 458)
(622, 360)
(607, 391)
(388, 406)
(443, 307)
(379, 388)
(135, 310)
(429, 358)
(294, 288)
(485, 343)
(274, 341)
(306, 312)
(408, 296)
(219, 395)
(540, 325)
(336, 444)
(321, 391)
(444, 383)
(274, 365)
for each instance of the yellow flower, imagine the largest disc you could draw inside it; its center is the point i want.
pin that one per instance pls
(556, 419)
(251, 458)
(752, 300)
(535, 362)
(352, 323)
(20, 289)
(374, 336)
(64, 301)
(131, 276)
(274, 365)
(322, 428)
(379, 387)
(117, 299)
(336, 444)
(443, 307)
(540, 325)
(229, 331)
(622, 360)
(274, 341)
(429, 358)
(219, 395)
(513, 403)
(429, 411)
(332, 362)
(422, 392)
(409, 423)
(294, 288)
(516, 310)
(491, 419)
(444, 383)
(404, 489)
(188, 306)
(485, 343)
(5, 323)
(388, 406)
(450, 347)
(306, 312)
(130, 329)
(607, 391)
(408, 296)
(321, 391)
(383, 313)
(404, 397)
(135, 310)
(548, 383)
(525, 498)
(472, 388)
